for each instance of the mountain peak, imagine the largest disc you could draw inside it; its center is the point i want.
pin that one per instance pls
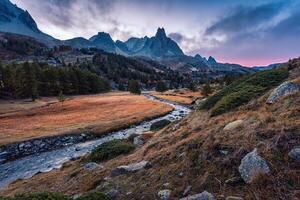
(212, 60)
(161, 33)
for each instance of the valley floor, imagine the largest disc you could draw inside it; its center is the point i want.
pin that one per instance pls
(102, 113)
(182, 96)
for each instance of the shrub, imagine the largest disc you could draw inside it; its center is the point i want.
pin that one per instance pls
(111, 150)
(94, 196)
(243, 90)
(159, 125)
(134, 87)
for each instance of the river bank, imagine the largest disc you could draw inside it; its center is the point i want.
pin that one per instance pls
(27, 167)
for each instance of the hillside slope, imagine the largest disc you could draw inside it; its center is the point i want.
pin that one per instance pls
(200, 153)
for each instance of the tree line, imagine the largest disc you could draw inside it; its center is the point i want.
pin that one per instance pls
(31, 80)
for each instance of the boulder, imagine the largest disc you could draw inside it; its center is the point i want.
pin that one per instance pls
(234, 198)
(132, 168)
(295, 154)
(164, 194)
(159, 125)
(113, 193)
(138, 140)
(252, 165)
(233, 125)
(91, 166)
(201, 196)
(286, 88)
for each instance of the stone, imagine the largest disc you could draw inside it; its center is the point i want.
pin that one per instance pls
(295, 154)
(286, 88)
(234, 198)
(252, 165)
(164, 194)
(201, 196)
(138, 140)
(233, 125)
(187, 190)
(132, 168)
(91, 166)
(113, 193)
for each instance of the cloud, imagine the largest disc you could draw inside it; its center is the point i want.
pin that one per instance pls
(177, 37)
(245, 18)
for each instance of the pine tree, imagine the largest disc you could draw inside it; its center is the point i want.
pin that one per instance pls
(206, 90)
(61, 98)
(134, 87)
(161, 86)
(29, 87)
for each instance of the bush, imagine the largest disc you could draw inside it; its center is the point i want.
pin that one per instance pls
(134, 87)
(161, 86)
(111, 150)
(94, 196)
(38, 196)
(243, 90)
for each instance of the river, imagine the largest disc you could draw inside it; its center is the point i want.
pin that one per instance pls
(25, 168)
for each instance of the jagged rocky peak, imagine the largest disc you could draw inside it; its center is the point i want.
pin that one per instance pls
(212, 60)
(161, 33)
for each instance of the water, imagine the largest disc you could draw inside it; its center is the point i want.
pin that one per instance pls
(27, 167)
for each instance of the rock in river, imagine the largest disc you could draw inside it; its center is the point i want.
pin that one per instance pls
(125, 169)
(252, 165)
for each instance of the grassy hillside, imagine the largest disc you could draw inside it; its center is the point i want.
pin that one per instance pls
(243, 90)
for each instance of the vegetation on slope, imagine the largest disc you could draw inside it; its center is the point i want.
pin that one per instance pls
(243, 90)
(111, 150)
(56, 196)
(30, 80)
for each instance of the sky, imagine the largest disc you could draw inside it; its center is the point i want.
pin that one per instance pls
(246, 32)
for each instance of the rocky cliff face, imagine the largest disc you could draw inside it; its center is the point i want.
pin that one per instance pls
(15, 20)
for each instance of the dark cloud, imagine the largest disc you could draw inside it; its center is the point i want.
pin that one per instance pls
(243, 18)
(176, 37)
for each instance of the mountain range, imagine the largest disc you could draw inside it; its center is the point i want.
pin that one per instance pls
(159, 47)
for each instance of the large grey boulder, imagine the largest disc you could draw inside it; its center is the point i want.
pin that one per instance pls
(92, 166)
(132, 168)
(233, 125)
(295, 154)
(252, 165)
(164, 194)
(138, 140)
(284, 89)
(201, 196)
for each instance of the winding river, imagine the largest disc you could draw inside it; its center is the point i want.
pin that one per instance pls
(25, 168)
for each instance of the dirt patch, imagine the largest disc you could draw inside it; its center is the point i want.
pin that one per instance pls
(180, 96)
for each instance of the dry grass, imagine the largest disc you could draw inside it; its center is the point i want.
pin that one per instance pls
(180, 96)
(101, 113)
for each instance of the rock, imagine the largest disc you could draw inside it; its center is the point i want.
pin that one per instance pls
(201, 196)
(286, 88)
(295, 154)
(138, 140)
(166, 185)
(187, 190)
(132, 168)
(113, 193)
(91, 166)
(252, 165)
(233, 125)
(234, 198)
(159, 125)
(164, 194)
